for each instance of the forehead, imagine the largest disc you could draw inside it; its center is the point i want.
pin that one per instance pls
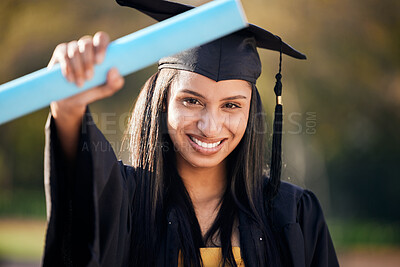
(186, 80)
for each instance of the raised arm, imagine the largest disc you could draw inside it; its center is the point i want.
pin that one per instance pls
(88, 191)
(77, 60)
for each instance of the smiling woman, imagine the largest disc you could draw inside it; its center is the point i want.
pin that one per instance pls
(208, 121)
(197, 177)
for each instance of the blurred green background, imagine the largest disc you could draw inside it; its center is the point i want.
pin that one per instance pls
(342, 111)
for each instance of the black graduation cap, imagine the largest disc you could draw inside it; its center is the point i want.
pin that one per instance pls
(231, 57)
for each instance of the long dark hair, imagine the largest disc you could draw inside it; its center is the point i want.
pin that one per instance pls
(159, 188)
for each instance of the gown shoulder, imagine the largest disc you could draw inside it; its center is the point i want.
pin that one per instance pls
(300, 222)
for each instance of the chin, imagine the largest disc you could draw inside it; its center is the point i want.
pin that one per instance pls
(202, 162)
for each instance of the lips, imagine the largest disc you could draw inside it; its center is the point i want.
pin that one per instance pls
(206, 147)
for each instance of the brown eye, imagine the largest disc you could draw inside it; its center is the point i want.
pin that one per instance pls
(191, 101)
(231, 106)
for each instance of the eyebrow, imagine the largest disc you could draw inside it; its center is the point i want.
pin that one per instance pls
(226, 98)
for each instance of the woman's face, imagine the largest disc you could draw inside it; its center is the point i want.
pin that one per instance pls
(206, 119)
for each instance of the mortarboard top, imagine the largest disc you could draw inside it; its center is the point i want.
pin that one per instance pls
(231, 57)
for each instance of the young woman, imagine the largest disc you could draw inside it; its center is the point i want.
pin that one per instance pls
(196, 193)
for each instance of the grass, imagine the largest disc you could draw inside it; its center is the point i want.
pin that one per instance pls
(22, 239)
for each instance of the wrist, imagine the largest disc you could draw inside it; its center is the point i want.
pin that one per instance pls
(67, 113)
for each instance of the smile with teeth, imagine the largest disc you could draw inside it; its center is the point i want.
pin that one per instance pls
(204, 144)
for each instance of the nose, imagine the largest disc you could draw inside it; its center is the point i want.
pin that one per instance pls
(211, 123)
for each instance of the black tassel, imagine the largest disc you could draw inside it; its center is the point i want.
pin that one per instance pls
(276, 157)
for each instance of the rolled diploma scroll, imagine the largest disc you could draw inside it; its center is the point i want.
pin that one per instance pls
(128, 54)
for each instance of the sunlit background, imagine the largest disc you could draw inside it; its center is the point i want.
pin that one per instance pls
(341, 112)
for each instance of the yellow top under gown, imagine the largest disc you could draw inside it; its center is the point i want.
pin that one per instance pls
(212, 257)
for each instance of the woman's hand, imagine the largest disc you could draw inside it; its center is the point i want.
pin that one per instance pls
(77, 60)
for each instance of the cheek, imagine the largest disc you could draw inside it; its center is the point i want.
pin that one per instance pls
(172, 121)
(238, 123)
(178, 120)
(173, 125)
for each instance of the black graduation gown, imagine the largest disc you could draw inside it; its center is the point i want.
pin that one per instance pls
(89, 212)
